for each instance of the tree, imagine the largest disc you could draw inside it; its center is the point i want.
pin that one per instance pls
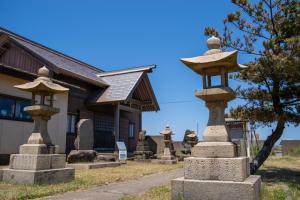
(268, 30)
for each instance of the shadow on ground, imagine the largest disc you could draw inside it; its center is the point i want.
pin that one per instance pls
(272, 175)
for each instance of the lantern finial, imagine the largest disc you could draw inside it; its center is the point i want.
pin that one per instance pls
(43, 72)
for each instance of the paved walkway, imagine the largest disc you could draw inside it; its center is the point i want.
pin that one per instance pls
(115, 191)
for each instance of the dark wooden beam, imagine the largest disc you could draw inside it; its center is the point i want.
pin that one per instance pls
(117, 122)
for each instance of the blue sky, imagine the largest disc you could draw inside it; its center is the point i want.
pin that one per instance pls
(115, 34)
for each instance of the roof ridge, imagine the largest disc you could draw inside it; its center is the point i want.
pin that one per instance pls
(50, 49)
(127, 70)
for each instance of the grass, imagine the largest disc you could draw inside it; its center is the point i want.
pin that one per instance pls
(84, 179)
(156, 193)
(280, 176)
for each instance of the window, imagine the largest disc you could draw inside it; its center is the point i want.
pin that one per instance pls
(131, 132)
(216, 81)
(12, 108)
(20, 113)
(71, 129)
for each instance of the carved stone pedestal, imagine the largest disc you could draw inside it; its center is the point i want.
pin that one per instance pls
(167, 157)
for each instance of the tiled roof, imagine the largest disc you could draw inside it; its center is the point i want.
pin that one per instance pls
(120, 86)
(65, 64)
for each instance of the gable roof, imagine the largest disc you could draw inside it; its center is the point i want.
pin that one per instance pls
(63, 63)
(120, 86)
(123, 83)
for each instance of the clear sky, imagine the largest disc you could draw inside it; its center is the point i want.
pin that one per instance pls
(112, 34)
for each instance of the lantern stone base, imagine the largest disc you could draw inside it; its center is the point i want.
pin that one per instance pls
(38, 169)
(191, 189)
(214, 150)
(222, 169)
(167, 157)
(215, 133)
(38, 149)
(48, 176)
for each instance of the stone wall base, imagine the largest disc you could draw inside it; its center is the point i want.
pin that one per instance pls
(94, 165)
(190, 189)
(165, 162)
(48, 176)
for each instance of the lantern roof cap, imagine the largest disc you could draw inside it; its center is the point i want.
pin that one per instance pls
(192, 135)
(42, 84)
(214, 58)
(167, 131)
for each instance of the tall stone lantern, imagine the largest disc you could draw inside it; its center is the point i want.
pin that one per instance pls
(39, 161)
(214, 171)
(167, 157)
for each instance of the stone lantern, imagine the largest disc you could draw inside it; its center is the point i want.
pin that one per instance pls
(214, 171)
(167, 157)
(192, 139)
(39, 161)
(41, 110)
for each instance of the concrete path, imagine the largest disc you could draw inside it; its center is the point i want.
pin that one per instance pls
(115, 191)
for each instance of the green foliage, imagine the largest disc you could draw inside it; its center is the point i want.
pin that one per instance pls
(269, 30)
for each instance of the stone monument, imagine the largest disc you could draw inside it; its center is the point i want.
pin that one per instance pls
(167, 157)
(38, 161)
(214, 171)
(85, 135)
(142, 152)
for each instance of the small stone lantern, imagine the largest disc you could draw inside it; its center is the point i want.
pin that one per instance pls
(167, 157)
(214, 171)
(192, 139)
(38, 161)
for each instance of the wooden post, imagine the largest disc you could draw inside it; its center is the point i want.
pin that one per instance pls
(223, 78)
(204, 82)
(209, 81)
(226, 79)
(117, 124)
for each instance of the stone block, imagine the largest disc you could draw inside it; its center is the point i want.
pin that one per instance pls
(30, 161)
(215, 133)
(216, 190)
(58, 161)
(50, 176)
(33, 149)
(214, 150)
(223, 169)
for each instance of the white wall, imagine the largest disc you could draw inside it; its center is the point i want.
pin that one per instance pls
(15, 133)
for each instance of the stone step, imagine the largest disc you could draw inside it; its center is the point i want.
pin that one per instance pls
(216, 190)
